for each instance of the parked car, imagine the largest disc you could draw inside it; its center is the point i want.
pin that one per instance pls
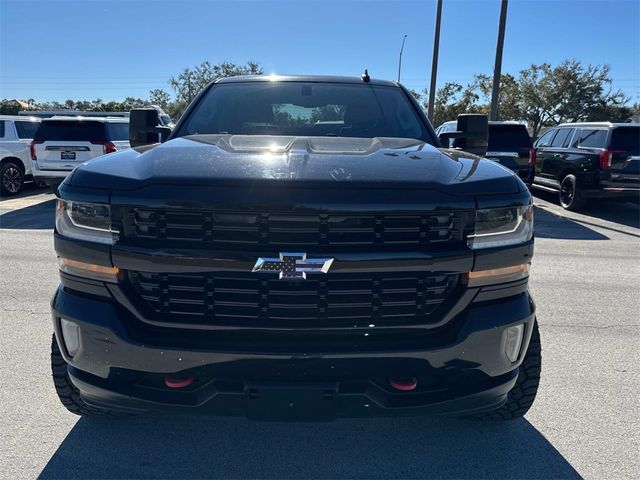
(407, 292)
(509, 144)
(165, 119)
(15, 165)
(589, 160)
(62, 143)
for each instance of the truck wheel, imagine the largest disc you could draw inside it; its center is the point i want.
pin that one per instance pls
(523, 394)
(11, 178)
(571, 198)
(68, 393)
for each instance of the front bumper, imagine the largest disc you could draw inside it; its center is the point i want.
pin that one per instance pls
(460, 370)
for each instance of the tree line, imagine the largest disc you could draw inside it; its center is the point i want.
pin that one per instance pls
(540, 95)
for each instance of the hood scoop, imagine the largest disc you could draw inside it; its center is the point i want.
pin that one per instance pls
(311, 145)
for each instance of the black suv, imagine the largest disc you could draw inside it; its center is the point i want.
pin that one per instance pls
(589, 160)
(508, 143)
(298, 248)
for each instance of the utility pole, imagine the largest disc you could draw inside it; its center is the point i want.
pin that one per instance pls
(434, 63)
(400, 57)
(497, 67)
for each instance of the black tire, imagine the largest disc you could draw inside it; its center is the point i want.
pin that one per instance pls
(68, 393)
(570, 195)
(11, 178)
(524, 392)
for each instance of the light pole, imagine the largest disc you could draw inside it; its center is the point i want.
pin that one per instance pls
(400, 57)
(497, 67)
(434, 64)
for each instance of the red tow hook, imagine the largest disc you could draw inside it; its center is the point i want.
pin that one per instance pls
(177, 382)
(404, 384)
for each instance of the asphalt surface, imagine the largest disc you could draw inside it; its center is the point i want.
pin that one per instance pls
(585, 422)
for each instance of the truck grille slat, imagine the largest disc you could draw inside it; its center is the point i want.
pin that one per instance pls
(336, 300)
(238, 230)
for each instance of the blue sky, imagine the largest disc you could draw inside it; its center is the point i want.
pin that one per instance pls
(56, 50)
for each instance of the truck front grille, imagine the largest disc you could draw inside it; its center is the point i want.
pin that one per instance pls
(322, 301)
(276, 231)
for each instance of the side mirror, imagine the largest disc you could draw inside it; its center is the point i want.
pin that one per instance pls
(473, 129)
(145, 127)
(447, 138)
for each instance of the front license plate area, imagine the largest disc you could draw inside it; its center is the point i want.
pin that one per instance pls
(67, 155)
(281, 402)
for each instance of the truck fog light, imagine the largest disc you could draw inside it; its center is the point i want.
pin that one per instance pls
(513, 341)
(70, 336)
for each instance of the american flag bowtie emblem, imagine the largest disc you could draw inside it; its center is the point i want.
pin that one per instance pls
(293, 265)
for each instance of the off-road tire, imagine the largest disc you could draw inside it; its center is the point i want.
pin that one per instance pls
(68, 393)
(523, 394)
(570, 196)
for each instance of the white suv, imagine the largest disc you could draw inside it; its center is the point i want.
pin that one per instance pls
(15, 167)
(63, 143)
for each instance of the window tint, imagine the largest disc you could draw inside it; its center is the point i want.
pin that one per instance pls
(561, 138)
(512, 137)
(1, 128)
(569, 137)
(66, 130)
(592, 138)
(305, 109)
(626, 139)
(545, 140)
(118, 131)
(26, 129)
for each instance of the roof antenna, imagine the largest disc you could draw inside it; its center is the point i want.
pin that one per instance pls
(365, 76)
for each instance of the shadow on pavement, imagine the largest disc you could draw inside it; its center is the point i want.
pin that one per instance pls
(550, 225)
(617, 212)
(187, 447)
(39, 216)
(29, 190)
(624, 213)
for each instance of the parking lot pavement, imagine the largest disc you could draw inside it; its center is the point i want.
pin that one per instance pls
(32, 209)
(585, 422)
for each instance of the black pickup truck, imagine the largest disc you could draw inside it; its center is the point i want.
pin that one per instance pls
(299, 248)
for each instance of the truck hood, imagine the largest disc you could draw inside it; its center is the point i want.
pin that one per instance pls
(329, 161)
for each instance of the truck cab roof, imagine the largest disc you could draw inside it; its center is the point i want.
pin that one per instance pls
(305, 78)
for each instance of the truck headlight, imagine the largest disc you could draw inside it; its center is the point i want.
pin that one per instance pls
(499, 227)
(85, 221)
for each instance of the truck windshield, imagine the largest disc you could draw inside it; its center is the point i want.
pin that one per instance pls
(305, 109)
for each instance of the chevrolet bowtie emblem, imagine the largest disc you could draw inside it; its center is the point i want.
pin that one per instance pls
(293, 265)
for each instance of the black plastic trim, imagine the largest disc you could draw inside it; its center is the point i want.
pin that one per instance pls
(503, 290)
(191, 260)
(88, 252)
(84, 285)
(498, 257)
